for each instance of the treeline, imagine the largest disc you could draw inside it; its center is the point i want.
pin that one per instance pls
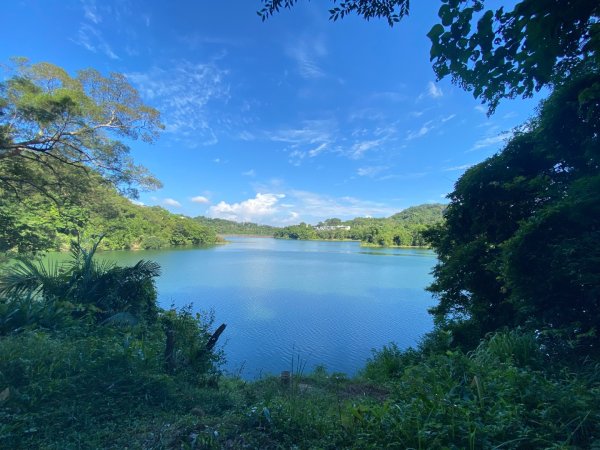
(34, 219)
(224, 226)
(404, 229)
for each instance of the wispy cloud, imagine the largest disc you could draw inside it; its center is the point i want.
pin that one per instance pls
(454, 168)
(313, 207)
(420, 132)
(90, 11)
(307, 53)
(370, 171)
(90, 38)
(246, 135)
(200, 199)
(432, 91)
(309, 140)
(249, 173)
(195, 40)
(491, 141)
(183, 94)
(309, 133)
(361, 147)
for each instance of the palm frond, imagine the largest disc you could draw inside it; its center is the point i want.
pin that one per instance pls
(30, 277)
(150, 269)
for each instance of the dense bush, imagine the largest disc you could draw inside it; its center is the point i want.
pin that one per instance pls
(84, 346)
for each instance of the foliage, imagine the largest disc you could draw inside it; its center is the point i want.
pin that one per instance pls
(495, 397)
(100, 289)
(191, 357)
(70, 379)
(496, 54)
(35, 222)
(50, 119)
(97, 390)
(404, 229)
(520, 242)
(507, 53)
(391, 10)
(302, 231)
(223, 226)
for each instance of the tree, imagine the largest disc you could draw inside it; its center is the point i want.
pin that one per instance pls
(521, 240)
(49, 119)
(498, 53)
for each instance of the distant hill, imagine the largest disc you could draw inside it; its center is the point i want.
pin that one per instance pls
(422, 214)
(223, 226)
(402, 229)
(35, 222)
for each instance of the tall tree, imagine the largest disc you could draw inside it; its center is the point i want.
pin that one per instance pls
(521, 240)
(49, 119)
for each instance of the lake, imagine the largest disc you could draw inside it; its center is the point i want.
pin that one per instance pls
(320, 303)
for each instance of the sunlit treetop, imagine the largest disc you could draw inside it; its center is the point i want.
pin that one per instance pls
(48, 117)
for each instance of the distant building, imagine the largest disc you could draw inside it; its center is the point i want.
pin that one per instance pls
(332, 227)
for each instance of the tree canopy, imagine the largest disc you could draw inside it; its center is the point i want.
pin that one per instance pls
(496, 54)
(36, 223)
(521, 240)
(51, 119)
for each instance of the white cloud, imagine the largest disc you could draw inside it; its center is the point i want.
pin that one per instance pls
(200, 199)
(249, 173)
(92, 39)
(171, 202)
(434, 91)
(309, 140)
(306, 53)
(312, 207)
(310, 133)
(184, 93)
(247, 136)
(359, 148)
(315, 151)
(491, 141)
(422, 131)
(90, 11)
(303, 206)
(260, 207)
(482, 109)
(370, 171)
(447, 118)
(461, 167)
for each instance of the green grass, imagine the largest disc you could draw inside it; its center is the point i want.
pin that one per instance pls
(107, 388)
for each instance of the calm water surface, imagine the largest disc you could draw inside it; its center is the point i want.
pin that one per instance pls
(326, 303)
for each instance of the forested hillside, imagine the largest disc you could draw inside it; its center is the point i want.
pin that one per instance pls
(48, 220)
(404, 229)
(224, 226)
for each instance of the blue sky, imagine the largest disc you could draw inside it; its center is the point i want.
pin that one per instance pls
(293, 119)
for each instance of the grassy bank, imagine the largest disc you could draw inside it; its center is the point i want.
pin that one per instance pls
(107, 388)
(89, 361)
